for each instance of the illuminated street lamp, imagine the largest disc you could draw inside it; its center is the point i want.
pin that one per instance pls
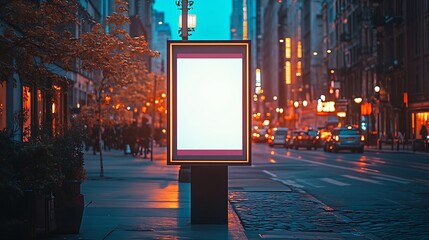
(358, 100)
(296, 104)
(192, 23)
(304, 103)
(377, 89)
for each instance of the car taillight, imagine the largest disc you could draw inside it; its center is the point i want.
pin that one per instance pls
(362, 138)
(299, 137)
(337, 138)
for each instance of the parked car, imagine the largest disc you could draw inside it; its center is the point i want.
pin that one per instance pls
(278, 137)
(345, 138)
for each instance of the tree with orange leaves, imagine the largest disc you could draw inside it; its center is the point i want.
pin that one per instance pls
(118, 58)
(38, 42)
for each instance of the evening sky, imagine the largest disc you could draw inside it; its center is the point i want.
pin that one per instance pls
(213, 18)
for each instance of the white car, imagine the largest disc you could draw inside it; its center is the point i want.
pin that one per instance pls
(278, 137)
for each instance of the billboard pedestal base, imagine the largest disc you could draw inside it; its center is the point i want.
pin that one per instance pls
(209, 195)
(185, 174)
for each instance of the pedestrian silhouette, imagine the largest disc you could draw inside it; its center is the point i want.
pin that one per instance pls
(145, 134)
(424, 132)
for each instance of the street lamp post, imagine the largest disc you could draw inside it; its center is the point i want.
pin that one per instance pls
(356, 111)
(185, 171)
(153, 119)
(377, 96)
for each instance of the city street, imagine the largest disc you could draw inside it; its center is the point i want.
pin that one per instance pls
(285, 194)
(378, 194)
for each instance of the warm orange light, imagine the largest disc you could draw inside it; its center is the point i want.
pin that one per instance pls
(299, 50)
(406, 99)
(341, 114)
(358, 100)
(296, 104)
(325, 107)
(366, 108)
(288, 80)
(304, 103)
(287, 48)
(107, 99)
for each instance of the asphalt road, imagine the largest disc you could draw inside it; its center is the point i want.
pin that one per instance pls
(381, 194)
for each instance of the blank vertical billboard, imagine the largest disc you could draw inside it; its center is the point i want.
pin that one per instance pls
(208, 102)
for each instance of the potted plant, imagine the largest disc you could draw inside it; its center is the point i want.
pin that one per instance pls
(69, 202)
(12, 222)
(30, 173)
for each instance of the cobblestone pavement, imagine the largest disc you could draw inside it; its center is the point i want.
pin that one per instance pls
(300, 212)
(392, 223)
(291, 212)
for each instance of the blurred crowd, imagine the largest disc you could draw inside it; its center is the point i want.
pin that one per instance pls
(130, 138)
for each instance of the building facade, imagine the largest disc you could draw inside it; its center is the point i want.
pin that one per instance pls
(369, 58)
(50, 106)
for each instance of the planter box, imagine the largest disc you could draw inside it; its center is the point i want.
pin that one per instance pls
(69, 205)
(30, 217)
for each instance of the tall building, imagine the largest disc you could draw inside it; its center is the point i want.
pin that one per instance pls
(270, 52)
(160, 34)
(237, 20)
(368, 58)
(402, 29)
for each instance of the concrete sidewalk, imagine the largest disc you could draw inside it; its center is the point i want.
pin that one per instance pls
(389, 148)
(141, 199)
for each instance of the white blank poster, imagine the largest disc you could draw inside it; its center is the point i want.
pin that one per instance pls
(209, 104)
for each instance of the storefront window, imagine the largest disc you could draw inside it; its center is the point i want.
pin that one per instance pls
(56, 110)
(40, 108)
(422, 122)
(2, 106)
(26, 113)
